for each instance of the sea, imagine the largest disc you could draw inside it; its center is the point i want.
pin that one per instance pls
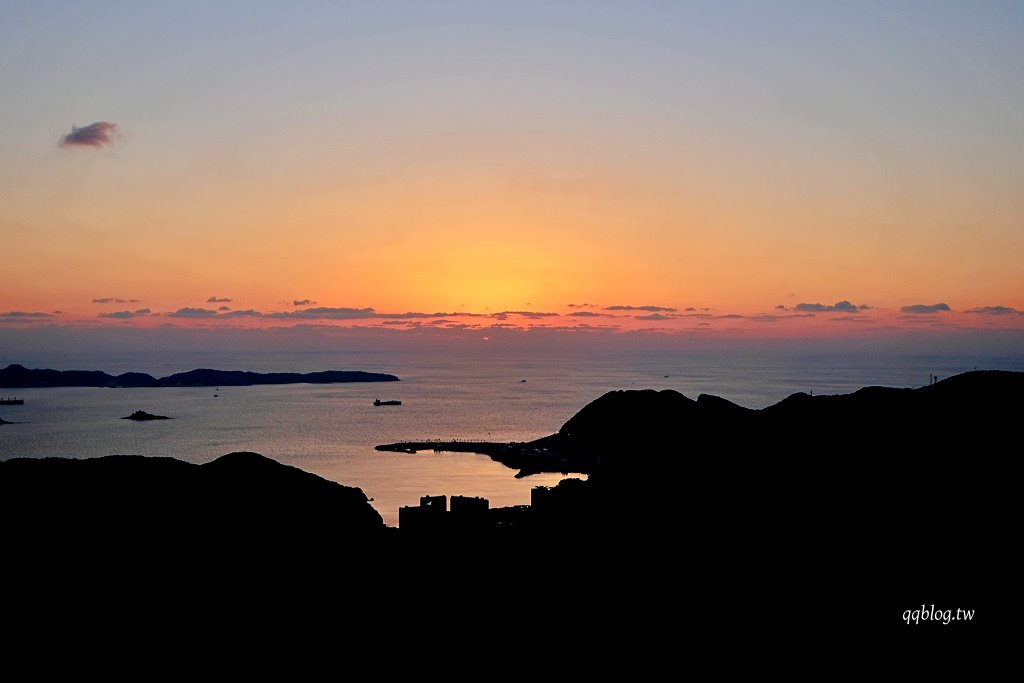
(331, 429)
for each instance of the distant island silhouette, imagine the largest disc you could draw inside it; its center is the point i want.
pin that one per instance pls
(22, 377)
(143, 416)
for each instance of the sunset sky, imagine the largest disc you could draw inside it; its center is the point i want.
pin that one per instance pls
(745, 168)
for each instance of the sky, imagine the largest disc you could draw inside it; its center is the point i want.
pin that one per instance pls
(683, 170)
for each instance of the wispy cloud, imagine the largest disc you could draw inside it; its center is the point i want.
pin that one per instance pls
(919, 309)
(418, 314)
(532, 315)
(649, 309)
(303, 302)
(112, 300)
(923, 320)
(840, 307)
(326, 313)
(771, 318)
(94, 135)
(994, 310)
(852, 319)
(192, 313)
(589, 314)
(218, 300)
(126, 315)
(653, 316)
(247, 313)
(24, 316)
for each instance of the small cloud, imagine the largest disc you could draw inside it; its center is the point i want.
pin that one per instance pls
(218, 300)
(994, 310)
(192, 313)
(303, 302)
(781, 307)
(689, 309)
(581, 305)
(652, 316)
(588, 314)
(925, 308)
(125, 315)
(731, 315)
(818, 308)
(840, 306)
(112, 300)
(94, 135)
(223, 308)
(649, 309)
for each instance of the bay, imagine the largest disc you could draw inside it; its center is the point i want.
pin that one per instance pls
(489, 395)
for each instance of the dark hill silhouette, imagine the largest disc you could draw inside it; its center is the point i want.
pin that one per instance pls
(817, 521)
(22, 377)
(865, 503)
(124, 501)
(630, 431)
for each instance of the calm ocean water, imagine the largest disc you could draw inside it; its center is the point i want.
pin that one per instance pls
(331, 429)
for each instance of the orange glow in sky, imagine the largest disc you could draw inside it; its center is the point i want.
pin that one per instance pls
(761, 171)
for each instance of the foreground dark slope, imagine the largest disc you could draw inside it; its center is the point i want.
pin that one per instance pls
(137, 501)
(702, 524)
(825, 514)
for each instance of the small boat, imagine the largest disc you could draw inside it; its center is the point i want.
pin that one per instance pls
(12, 401)
(379, 402)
